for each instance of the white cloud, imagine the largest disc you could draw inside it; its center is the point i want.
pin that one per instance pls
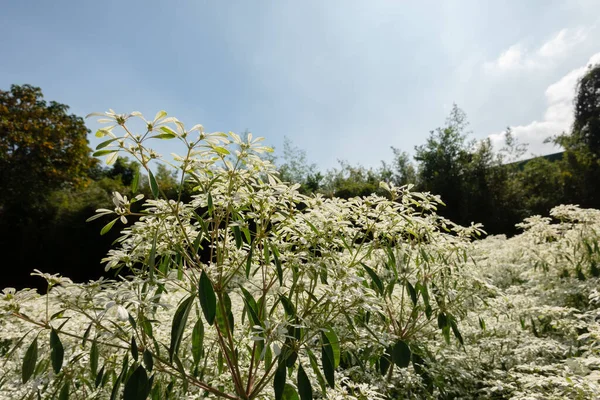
(557, 118)
(518, 57)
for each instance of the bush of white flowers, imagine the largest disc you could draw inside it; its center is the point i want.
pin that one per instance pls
(251, 290)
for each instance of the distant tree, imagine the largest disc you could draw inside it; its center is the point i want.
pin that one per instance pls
(586, 127)
(296, 169)
(42, 147)
(401, 171)
(442, 164)
(581, 161)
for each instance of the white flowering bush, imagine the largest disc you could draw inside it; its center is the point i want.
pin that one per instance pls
(251, 290)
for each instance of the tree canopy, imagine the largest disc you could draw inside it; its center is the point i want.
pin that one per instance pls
(42, 146)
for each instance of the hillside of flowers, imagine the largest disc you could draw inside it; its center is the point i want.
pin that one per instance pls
(252, 290)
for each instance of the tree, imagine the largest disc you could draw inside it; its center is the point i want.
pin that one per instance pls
(442, 163)
(586, 127)
(581, 161)
(42, 147)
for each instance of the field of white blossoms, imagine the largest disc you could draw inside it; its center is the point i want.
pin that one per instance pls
(251, 290)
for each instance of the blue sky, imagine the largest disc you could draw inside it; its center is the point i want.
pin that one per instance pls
(342, 79)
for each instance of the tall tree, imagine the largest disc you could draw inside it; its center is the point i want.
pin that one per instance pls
(42, 147)
(442, 160)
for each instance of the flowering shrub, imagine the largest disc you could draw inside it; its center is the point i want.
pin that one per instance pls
(251, 290)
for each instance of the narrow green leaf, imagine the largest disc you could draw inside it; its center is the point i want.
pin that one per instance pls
(208, 299)
(334, 343)
(221, 150)
(135, 182)
(442, 320)
(178, 326)
(210, 204)
(148, 360)
(315, 367)
(108, 226)
(105, 143)
(57, 351)
(86, 334)
(137, 386)
(304, 386)
(456, 331)
(99, 377)
(238, 236)
(279, 380)
(288, 306)
(134, 349)
(166, 129)
(289, 393)
(101, 153)
(249, 262)
(374, 278)
(401, 354)
(163, 136)
(94, 358)
(278, 268)
(197, 340)
(412, 292)
(29, 361)
(153, 184)
(482, 323)
(251, 306)
(64, 392)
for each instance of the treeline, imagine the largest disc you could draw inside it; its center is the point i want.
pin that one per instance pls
(50, 184)
(476, 182)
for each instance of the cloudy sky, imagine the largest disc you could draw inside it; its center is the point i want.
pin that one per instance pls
(342, 79)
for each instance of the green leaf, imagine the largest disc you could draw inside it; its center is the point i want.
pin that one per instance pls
(57, 351)
(456, 331)
(99, 377)
(164, 136)
(412, 292)
(208, 299)
(211, 207)
(86, 334)
(136, 181)
(287, 306)
(315, 367)
(221, 150)
(251, 307)
(137, 386)
(275, 253)
(334, 343)
(401, 354)
(249, 262)
(94, 358)
(153, 184)
(279, 380)
(197, 340)
(134, 348)
(108, 226)
(101, 153)
(482, 323)
(148, 360)
(105, 143)
(304, 386)
(29, 361)
(168, 130)
(64, 392)
(327, 361)
(178, 326)
(442, 320)
(374, 278)
(289, 393)
(238, 236)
